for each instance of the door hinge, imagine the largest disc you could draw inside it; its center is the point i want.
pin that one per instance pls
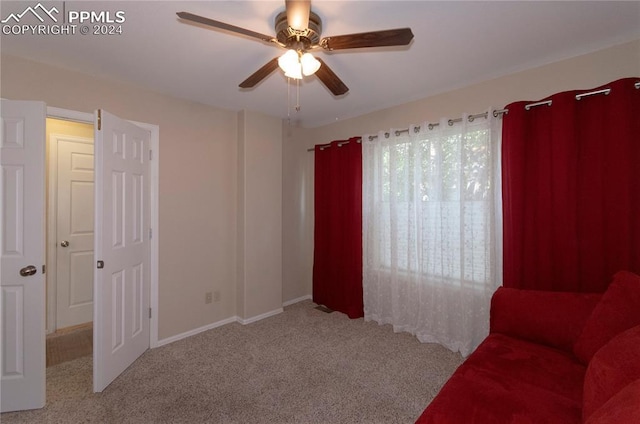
(99, 119)
(149, 313)
(44, 269)
(150, 154)
(150, 233)
(100, 264)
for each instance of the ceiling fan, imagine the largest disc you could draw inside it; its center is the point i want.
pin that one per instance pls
(298, 30)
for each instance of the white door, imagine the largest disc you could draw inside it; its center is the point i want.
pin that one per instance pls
(122, 248)
(74, 231)
(22, 255)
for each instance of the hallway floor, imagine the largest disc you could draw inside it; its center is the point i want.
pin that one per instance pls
(69, 343)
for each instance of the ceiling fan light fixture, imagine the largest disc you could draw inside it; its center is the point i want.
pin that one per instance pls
(288, 60)
(309, 64)
(294, 71)
(296, 65)
(290, 64)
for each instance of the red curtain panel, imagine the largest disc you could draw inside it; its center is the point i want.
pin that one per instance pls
(571, 189)
(337, 262)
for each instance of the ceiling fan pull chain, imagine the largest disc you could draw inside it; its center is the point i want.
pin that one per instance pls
(289, 100)
(297, 95)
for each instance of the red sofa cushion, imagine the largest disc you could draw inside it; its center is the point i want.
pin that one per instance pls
(618, 310)
(623, 408)
(508, 380)
(552, 318)
(612, 368)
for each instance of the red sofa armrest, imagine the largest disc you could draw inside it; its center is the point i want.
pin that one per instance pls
(551, 318)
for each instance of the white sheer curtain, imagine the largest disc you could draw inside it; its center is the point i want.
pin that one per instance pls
(432, 229)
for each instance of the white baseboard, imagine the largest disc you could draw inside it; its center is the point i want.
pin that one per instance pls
(195, 331)
(259, 317)
(228, 321)
(296, 300)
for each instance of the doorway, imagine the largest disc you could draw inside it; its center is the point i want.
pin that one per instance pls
(70, 212)
(128, 149)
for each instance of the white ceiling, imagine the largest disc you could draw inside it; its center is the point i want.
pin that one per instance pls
(455, 44)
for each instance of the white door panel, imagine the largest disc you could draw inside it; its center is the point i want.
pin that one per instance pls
(22, 157)
(122, 286)
(74, 231)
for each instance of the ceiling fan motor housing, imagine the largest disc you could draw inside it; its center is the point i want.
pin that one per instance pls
(298, 39)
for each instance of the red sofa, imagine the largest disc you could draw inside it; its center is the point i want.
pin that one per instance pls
(551, 357)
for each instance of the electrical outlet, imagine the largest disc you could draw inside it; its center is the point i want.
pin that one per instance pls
(216, 296)
(208, 297)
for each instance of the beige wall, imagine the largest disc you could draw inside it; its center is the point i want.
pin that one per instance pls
(197, 183)
(205, 225)
(297, 212)
(259, 287)
(201, 176)
(582, 72)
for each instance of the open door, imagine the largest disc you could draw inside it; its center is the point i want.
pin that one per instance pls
(22, 255)
(122, 247)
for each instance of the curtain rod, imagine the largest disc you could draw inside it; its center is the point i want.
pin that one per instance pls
(606, 92)
(495, 113)
(340, 144)
(416, 129)
(545, 102)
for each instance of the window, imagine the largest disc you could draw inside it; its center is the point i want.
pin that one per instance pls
(434, 209)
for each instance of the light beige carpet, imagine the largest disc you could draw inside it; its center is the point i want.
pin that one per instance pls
(301, 366)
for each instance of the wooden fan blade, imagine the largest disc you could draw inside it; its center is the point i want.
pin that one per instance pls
(260, 74)
(390, 37)
(298, 13)
(330, 79)
(221, 25)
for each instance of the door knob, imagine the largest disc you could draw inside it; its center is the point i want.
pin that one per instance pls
(28, 270)
(64, 243)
